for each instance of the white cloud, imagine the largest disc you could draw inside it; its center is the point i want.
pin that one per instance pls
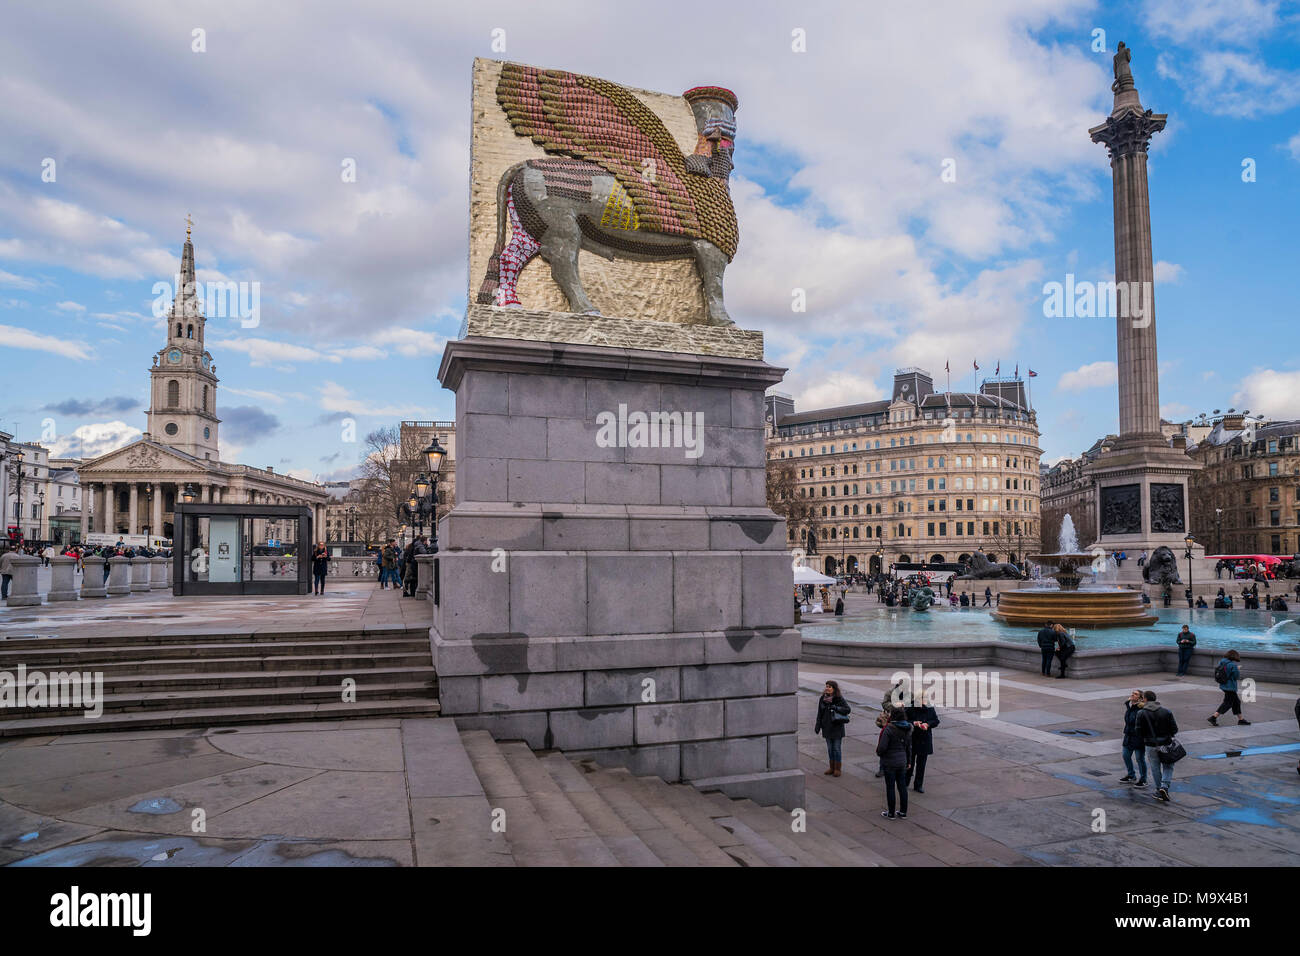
(1092, 375)
(17, 338)
(70, 306)
(1268, 392)
(1168, 272)
(268, 351)
(1293, 147)
(16, 282)
(836, 388)
(336, 398)
(1222, 21)
(93, 440)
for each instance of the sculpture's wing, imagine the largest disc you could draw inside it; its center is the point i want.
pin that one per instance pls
(603, 123)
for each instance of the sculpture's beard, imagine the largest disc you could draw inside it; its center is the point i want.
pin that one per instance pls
(720, 163)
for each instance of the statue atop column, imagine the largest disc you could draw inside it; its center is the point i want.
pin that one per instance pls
(1123, 74)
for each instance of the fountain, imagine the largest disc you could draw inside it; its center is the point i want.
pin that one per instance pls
(1071, 602)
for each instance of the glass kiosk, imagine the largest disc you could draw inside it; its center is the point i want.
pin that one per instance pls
(241, 549)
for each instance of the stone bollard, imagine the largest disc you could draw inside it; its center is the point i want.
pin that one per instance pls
(93, 584)
(63, 579)
(158, 574)
(22, 589)
(423, 574)
(139, 574)
(119, 575)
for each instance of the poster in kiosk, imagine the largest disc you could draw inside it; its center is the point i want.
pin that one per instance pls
(223, 550)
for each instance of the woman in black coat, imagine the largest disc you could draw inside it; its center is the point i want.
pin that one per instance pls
(923, 719)
(895, 752)
(830, 705)
(1134, 745)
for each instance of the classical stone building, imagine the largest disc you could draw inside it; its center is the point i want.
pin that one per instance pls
(925, 476)
(1246, 497)
(134, 489)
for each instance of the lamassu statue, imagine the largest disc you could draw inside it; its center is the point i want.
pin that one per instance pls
(619, 186)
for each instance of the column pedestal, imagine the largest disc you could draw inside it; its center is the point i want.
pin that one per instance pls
(607, 597)
(119, 576)
(22, 589)
(93, 583)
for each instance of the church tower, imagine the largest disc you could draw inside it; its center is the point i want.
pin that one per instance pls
(183, 392)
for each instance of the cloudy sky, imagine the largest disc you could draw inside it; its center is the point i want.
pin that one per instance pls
(850, 114)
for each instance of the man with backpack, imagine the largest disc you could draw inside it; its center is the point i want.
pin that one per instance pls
(1226, 675)
(1158, 728)
(1064, 648)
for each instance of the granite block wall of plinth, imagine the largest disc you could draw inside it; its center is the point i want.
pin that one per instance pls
(630, 603)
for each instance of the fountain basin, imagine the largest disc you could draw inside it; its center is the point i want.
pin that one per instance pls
(1032, 607)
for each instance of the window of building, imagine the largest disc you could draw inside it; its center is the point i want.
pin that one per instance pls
(173, 393)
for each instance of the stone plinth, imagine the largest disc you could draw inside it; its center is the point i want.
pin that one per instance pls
(63, 579)
(608, 598)
(93, 582)
(140, 574)
(119, 575)
(423, 572)
(22, 589)
(158, 573)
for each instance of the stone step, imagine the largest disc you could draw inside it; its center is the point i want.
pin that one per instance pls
(570, 829)
(531, 842)
(180, 680)
(698, 834)
(214, 717)
(618, 788)
(218, 698)
(34, 652)
(257, 662)
(235, 637)
(625, 845)
(703, 816)
(817, 845)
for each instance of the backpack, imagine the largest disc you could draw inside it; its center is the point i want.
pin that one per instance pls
(1221, 672)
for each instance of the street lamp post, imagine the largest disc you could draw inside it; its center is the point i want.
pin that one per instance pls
(1189, 541)
(19, 457)
(40, 511)
(1218, 529)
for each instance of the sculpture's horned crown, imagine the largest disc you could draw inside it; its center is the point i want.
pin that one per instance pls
(712, 93)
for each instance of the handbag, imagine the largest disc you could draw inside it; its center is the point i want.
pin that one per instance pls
(838, 718)
(1171, 752)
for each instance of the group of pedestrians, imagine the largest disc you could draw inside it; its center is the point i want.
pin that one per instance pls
(903, 745)
(397, 565)
(80, 552)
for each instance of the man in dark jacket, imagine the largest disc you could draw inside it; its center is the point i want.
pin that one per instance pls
(1134, 745)
(895, 752)
(1157, 727)
(1186, 644)
(923, 719)
(1047, 644)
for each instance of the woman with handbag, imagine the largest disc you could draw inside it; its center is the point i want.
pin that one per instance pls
(832, 717)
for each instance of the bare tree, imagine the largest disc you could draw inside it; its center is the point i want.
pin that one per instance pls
(783, 498)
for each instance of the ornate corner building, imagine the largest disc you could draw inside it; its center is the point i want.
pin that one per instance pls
(923, 477)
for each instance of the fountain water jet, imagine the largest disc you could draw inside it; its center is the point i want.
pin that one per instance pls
(1070, 603)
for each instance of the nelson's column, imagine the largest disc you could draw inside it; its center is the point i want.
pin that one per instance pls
(1141, 482)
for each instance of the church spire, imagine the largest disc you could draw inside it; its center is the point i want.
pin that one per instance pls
(187, 302)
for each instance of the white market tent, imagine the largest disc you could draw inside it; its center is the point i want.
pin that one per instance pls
(806, 575)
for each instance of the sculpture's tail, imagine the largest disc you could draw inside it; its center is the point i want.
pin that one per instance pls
(492, 280)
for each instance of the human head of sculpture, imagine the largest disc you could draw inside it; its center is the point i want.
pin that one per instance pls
(715, 122)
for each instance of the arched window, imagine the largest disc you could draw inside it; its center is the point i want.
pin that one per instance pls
(178, 330)
(173, 393)
(189, 331)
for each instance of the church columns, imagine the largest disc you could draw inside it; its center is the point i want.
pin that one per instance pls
(87, 493)
(156, 520)
(133, 511)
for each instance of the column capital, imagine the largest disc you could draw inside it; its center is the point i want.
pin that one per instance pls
(1128, 130)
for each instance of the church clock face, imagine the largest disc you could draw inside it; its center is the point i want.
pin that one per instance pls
(174, 356)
